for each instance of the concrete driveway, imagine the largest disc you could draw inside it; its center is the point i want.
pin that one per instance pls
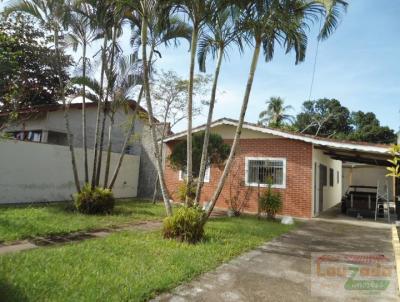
(281, 269)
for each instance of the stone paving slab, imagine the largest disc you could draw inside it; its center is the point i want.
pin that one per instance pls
(280, 270)
(76, 236)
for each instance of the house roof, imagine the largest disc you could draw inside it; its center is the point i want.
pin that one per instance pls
(57, 107)
(318, 141)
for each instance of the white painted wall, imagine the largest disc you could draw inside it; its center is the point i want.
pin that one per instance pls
(366, 175)
(331, 195)
(36, 172)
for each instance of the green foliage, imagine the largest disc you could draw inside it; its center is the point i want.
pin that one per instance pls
(217, 152)
(184, 190)
(127, 266)
(323, 117)
(186, 225)
(94, 201)
(394, 170)
(270, 202)
(275, 115)
(328, 118)
(21, 221)
(28, 66)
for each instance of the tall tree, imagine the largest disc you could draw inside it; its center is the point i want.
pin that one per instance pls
(28, 65)
(366, 127)
(54, 15)
(146, 11)
(197, 11)
(284, 22)
(323, 117)
(219, 35)
(276, 113)
(82, 34)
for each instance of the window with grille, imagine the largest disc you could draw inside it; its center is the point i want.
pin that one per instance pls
(260, 169)
(182, 174)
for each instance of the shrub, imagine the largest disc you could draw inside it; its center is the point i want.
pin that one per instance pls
(270, 202)
(94, 201)
(183, 188)
(186, 225)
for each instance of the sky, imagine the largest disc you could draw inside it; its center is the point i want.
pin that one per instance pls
(359, 65)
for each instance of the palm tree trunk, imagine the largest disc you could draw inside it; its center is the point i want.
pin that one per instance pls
(146, 84)
(130, 131)
(128, 136)
(84, 138)
(204, 152)
(98, 114)
(106, 109)
(108, 160)
(66, 116)
(239, 127)
(161, 146)
(189, 160)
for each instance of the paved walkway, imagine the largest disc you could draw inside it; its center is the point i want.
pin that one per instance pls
(281, 269)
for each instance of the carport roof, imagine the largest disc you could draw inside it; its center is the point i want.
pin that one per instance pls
(338, 149)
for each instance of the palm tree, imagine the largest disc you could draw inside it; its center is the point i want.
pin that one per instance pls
(55, 15)
(124, 79)
(276, 113)
(284, 22)
(102, 21)
(218, 36)
(197, 11)
(161, 31)
(82, 33)
(148, 11)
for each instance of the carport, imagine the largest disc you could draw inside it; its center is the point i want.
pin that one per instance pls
(363, 181)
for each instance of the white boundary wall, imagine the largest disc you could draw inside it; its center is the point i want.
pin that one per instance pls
(35, 172)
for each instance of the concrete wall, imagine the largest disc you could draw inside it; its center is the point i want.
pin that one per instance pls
(331, 195)
(141, 143)
(366, 175)
(35, 172)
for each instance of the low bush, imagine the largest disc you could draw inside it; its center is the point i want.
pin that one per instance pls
(184, 189)
(270, 202)
(94, 201)
(186, 225)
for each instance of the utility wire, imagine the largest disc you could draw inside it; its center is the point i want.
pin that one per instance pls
(315, 64)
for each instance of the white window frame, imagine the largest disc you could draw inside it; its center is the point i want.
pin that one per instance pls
(207, 175)
(254, 184)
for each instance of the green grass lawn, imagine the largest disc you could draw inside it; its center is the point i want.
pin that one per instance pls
(126, 266)
(20, 222)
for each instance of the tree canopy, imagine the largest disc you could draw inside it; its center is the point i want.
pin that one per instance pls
(329, 118)
(217, 152)
(28, 66)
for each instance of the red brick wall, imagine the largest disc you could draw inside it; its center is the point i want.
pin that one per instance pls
(297, 196)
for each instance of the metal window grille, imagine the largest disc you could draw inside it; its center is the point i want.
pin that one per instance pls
(259, 171)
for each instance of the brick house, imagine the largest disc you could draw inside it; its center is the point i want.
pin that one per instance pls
(306, 170)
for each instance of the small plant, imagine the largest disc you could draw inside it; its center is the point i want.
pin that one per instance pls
(94, 201)
(183, 190)
(394, 170)
(238, 193)
(186, 225)
(270, 202)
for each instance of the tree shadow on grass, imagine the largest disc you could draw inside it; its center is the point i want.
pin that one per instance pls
(10, 293)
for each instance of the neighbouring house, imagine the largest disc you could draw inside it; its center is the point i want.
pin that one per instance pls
(46, 124)
(311, 173)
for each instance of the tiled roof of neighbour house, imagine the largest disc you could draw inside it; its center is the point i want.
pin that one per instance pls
(321, 141)
(57, 107)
